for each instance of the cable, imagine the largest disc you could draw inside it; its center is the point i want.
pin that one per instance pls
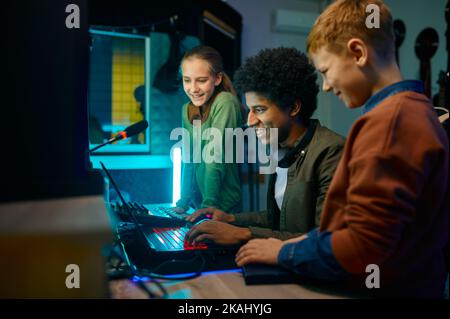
(196, 274)
(161, 287)
(121, 270)
(143, 285)
(153, 272)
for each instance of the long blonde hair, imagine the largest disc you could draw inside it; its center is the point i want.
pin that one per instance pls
(215, 61)
(213, 57)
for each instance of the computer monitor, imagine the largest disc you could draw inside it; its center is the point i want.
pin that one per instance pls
(44, 103)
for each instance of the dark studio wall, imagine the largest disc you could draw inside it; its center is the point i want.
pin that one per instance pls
(44, 107)
(190, 13)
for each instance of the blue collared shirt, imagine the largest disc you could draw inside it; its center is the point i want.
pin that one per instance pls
(313, 257)
(407, 85)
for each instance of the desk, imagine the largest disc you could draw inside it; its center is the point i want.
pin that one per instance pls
(226, 285)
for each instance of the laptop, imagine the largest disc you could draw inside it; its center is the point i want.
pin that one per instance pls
(146, 247)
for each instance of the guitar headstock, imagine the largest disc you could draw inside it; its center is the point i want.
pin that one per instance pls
(427, 43)
(399, 32)
(442, 78)
(446, 11)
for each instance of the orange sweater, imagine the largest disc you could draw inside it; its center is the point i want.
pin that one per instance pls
(387, 202)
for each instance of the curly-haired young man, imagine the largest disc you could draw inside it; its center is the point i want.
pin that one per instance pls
(281, 92)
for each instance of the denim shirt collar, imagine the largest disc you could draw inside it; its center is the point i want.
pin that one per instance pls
(407, 85)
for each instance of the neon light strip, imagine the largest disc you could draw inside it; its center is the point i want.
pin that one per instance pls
(176, 180)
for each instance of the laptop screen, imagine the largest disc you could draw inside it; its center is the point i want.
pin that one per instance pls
(126, 206)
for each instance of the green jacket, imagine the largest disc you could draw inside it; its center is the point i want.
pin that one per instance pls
(213, 184)
(307, 183)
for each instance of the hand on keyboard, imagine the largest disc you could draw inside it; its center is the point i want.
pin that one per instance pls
(178, 210)
(211, 213)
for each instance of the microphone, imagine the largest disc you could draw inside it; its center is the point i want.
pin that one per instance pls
(130, 131)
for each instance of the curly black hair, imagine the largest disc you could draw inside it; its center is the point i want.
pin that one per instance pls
(282, 75)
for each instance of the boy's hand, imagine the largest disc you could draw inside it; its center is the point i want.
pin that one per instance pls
(263, 251)
(218, 232)
(216, 214)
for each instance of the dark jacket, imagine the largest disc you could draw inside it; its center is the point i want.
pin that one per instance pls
(308, 180)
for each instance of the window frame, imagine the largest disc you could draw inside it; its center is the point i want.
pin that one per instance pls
(121, 149)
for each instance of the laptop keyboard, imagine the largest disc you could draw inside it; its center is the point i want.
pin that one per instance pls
(174, 238)
(156, 217)
(166, 211)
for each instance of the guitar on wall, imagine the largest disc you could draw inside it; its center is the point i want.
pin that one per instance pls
(427, 43)
(441, 100)
(447, 74)
(399, 32)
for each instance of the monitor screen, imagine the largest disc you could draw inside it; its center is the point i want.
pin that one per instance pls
(44, 113)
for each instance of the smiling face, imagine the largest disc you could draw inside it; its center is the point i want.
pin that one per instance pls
(265, 114)
(343, 74)
(199, 82)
